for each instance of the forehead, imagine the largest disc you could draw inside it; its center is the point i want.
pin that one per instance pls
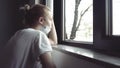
(49, 14)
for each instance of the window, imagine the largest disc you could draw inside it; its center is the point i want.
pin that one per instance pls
(116, 17)
(78, 20)
(37, 1)
(49, 3)
(100, 18)
(112, 15)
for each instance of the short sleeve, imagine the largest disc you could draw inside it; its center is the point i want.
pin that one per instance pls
(41, 45)
(44, 44)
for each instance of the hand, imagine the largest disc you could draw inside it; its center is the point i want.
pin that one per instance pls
(53, 35)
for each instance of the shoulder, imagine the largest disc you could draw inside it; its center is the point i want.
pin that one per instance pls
(30, 31)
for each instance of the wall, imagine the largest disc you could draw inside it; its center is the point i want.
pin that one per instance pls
(6, 20)
(10, 18)
(63, 60)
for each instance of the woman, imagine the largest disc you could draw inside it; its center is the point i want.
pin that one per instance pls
(32, 45)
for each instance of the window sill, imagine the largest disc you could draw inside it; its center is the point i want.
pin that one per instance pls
(90, 55)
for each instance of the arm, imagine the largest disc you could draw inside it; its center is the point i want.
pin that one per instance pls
(53, 35)
(46, 60)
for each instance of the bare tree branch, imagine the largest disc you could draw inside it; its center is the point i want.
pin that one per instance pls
(75, 25)
(81, 15)
(86, 10)
(73, 34)
(79, 1)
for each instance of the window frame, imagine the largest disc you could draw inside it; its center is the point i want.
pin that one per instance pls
(60, 27)
(101, 39)
(108, 18)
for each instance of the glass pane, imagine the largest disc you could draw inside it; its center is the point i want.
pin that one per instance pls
(116, 17)
(37, 1)
(78, 20)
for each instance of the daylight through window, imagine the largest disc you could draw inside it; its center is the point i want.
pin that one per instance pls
(78, 24)
(116, 15)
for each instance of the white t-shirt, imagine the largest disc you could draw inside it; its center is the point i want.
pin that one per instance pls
(23, 49)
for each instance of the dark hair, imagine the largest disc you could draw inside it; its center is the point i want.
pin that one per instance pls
(32, 14)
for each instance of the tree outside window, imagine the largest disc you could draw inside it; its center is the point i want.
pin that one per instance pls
(79, 20)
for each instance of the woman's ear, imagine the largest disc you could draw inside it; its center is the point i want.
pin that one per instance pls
(41, 20)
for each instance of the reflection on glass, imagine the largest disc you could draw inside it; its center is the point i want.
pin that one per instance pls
(79, 20)
(116, 17)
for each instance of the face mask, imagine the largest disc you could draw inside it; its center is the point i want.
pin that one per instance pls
(45, 29)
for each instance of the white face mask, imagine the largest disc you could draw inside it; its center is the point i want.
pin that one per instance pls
(45, 29)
